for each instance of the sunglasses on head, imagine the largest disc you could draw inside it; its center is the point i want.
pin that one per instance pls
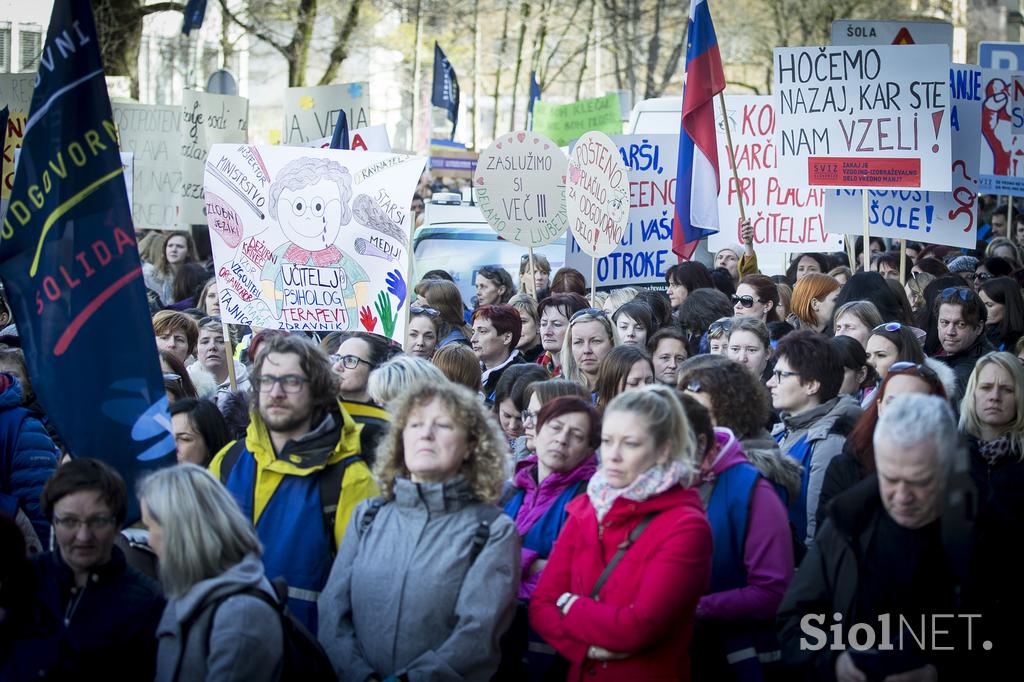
(596, 312)
(923, 371)
(422, 310)
(745, 301)
(981, 276)
(208, 319)
(720, 327)
(963, 292)
(887, 326)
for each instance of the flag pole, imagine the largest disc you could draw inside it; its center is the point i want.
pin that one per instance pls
(732, 158)
(903, 261)
(593, 279)
(529, 271)
(866, 256)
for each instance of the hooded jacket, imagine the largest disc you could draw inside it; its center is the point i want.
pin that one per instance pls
(280, 493)
(405, 596)
(825, 428)
(765, 454)
(243, 633)
(646, 606)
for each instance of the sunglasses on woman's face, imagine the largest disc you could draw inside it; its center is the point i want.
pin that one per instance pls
(745, 301)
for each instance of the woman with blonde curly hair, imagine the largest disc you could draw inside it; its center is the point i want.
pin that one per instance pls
(432, 553)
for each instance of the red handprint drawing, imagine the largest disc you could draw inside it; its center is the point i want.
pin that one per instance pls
(367, 319)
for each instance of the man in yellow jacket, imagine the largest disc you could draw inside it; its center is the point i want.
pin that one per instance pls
(298, 473)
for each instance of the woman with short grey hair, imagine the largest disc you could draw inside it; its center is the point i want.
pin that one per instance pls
(219, 623)
(398, 375)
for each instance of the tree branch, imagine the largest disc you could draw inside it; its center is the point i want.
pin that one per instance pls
(146, 10)
(340, 50)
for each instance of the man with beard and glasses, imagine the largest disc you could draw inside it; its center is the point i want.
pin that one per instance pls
(298, 473)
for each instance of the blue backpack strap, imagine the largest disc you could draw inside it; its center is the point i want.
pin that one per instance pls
(802, 451)
(729, 515)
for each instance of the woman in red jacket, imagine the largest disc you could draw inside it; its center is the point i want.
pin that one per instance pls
(618, 594)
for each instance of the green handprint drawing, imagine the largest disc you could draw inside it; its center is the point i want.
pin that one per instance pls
(386, 312)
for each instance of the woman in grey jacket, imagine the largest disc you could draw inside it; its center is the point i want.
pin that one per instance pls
(213, 627)
(424, 584)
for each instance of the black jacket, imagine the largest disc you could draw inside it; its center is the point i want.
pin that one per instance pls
(104, 630)
(963, 363)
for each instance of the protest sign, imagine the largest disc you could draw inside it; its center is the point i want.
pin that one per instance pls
(520, 187)
(565, 122)
(597, 194)
(452, 160)
(311, 113)
(864, 117)
(786, 218)
(71, 267)
(868, 32)
(372, 139)
(919, 215)
(311, 239)
(152, 134)
(16, 94)
(645, 251)
(1002, 170)
(206, 120)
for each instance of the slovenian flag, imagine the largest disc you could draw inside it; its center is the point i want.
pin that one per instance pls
(697, 173)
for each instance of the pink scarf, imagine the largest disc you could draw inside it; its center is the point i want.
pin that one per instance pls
(654, 481)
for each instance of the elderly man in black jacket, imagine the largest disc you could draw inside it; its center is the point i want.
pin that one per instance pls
(888, 561)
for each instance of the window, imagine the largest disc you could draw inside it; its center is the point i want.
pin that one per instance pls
(5, 48)
(30, 38)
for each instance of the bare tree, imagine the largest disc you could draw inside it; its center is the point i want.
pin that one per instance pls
(119, 29)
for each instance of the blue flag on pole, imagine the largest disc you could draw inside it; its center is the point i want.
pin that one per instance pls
(446, 87)
(340, 138)
(534, 91)
(195, 12)
(71, 267)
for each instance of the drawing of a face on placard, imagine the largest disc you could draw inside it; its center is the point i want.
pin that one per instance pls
(310, 239)
(597, 194)
(520, 187)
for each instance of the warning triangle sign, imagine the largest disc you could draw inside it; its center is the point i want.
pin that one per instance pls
(903, 37)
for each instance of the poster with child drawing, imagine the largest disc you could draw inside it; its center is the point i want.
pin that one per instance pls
(311, 239)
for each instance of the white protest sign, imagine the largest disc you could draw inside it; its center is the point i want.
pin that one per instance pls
(1002, 168)
(16, 95)
(311, 113)
(869, 32)
(371, 139)
(153, 135)
(206, 120)
(311, 239)
(863, 117)
(645, 252)
(786, 218)
(919, 215)
(520, 186)
(597, 194)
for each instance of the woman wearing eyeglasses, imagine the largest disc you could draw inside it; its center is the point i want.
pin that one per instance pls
(588, 340)
(89, 611)
(756, 296)
(568, 432)
(357, 357)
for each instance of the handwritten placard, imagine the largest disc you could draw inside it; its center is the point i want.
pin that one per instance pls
(311, 239)
(565, 122)
(152, 134)
(597, 194)
(864, 117)
(1001, 150)
(206, 120)
(919, 215)
(786, 218)
(16, 94)
(311, 113)
(520, 187)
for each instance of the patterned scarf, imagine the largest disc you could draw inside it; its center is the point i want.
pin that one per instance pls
(994, 450)
(654, 481)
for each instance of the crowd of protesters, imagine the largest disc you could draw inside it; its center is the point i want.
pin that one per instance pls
(818, 475)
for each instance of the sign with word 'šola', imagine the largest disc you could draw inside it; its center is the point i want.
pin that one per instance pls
(520, 186)
(919, 215)
(864, 117)
(1001, 149)
(206, 120)
(153, 134)
(597, 194)
(645, 250)
(786, 218)
(311, 239)
(311, 113)
(565, 122)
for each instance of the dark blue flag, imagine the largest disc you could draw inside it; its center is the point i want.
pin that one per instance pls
(534, 91)
(195, 12)
(71, 268)
(446, 87)
(340, 138)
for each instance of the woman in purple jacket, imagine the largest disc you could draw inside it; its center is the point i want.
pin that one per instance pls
(752, 564)
(568, 431)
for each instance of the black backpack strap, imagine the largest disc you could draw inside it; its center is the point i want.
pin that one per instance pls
(486, 515)
(371, 511)
(230, 458)
(330, 493)
(626, 544)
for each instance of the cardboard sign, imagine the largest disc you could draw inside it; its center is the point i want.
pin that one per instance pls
(520, 187)
(372, 139)
(597, 194)
(565, 122)
(152, 134)
(16, 94)
(311, 239)
(206, 120)
(312, 113)
(1002, 151)
(867, 32)
(931, 217)
(786, 218)
(864, 117)
(645, 252)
